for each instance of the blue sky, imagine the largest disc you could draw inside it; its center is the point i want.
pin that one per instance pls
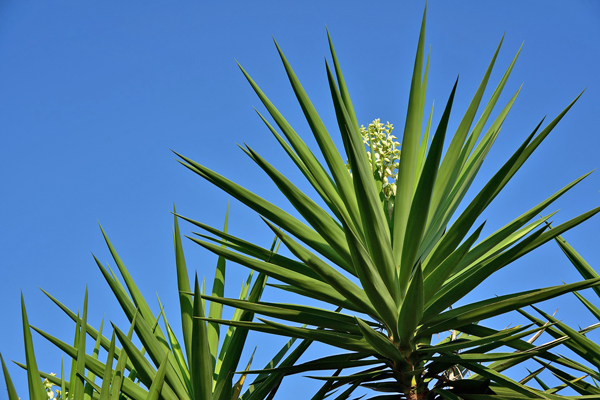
(95, 95)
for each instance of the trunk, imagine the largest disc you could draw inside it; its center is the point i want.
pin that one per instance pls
(414, 395)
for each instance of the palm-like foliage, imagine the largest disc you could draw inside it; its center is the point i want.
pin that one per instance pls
(196, 369)
(413, 254)
(578, 342)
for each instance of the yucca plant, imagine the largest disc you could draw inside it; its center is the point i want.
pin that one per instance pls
(396, 260)
(200, 367)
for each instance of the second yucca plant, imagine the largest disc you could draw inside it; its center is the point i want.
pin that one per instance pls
(412, 262)
(201, 366)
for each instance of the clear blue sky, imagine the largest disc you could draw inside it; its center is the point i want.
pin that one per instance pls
(93, 95)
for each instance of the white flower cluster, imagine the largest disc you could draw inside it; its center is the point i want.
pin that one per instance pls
(48, 386)
(379, 139)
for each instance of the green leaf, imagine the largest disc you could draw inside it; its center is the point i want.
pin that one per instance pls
(78, 384)
(375, 226)
(421, 155)
(326, 363)
(489, 308)
(373, 284)
(320, 289)
(216, 310)
(36, 389)
(136, 295)
(589, 349)
(411, 310)
(436, 278)
(104, 342)
(555, 232)
(465, 221)
(538, 380)
(478, 357)
(509, 229)
(505, 174)
(586, 271)
(577, 384)
(223, 387)
(92, 364)
(299, 146)
(487, 111)
(522, 345)
(91, 375)
(105, 389)
(145, 371)
(177, 352)
(423, 147)
(371, 374)
(322, 393)
(592, 308)
(119, 382)
(273, 362)
(450, 166)
(531, 376)
(63, 384)
(503, 380)
(295, 313)
(320, 220)
(300, 164)
(43, 375)
(338, 281)
(73, 375)
(258, 391)
(90, 387)
(342, 84)
(253, 250)
(201, 371)
(383, 345)
(268, 210)
(237, 389)
(346, 393)
(487, 250)
(408, 160)
(543, 134)
(229, 335)
(337, 339)
(446, 394)
(417, 218)
(156, 350)
(542, 349)
(10, 388)
(332, 157)
(159, 379)
(457, 288)
(321, 177)
(456, 345)
(152, 339)
(465, 176)
(183, 285)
